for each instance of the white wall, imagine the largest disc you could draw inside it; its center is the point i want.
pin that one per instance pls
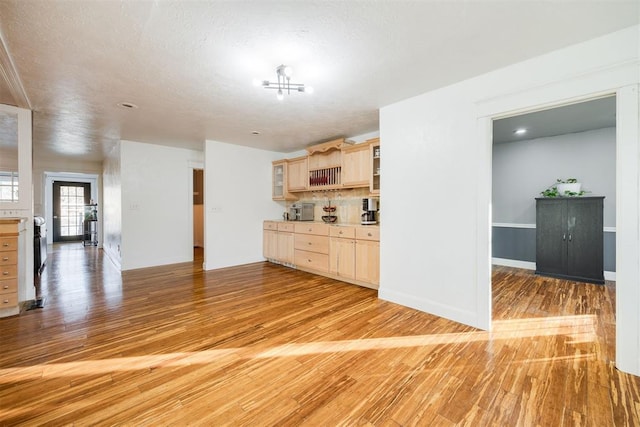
(112, 206)
(237, 201)
(437, 161)
(522, 169)
(157, 204)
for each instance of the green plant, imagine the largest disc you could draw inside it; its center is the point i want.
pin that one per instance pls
(552, 190)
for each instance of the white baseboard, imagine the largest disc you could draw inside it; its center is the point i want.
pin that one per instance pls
(528, 265)
(432, 307)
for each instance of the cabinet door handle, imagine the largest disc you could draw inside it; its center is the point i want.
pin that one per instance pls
(569, 236)
(5, 273)
(5, 244)
(564, 237)
(5, 258)
(5, 287)
(369, 234)
(5, 301)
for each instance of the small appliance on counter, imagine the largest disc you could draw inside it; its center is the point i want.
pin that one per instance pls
(301, 212)
(370, 208)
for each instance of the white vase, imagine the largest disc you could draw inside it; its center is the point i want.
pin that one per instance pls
(573, 187)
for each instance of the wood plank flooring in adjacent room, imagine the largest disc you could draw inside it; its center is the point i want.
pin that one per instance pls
(262, 345)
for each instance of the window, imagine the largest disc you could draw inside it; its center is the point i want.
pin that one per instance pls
(8, 186)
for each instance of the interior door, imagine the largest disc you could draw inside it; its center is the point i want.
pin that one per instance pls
(69, 200)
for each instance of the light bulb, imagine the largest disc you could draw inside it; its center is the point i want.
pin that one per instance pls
(288, 71)
(257, 82)
(308, 89)
(280, 95)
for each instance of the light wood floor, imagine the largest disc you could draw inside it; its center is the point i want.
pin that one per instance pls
(266, 345)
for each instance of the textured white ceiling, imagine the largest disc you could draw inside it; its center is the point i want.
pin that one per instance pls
(189, 65)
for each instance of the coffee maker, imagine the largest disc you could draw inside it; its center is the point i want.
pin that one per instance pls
(370, 208)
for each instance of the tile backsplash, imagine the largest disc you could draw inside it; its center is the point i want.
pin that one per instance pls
(348, 203)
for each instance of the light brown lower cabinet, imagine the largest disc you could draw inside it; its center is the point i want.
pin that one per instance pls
(311, 243)
(285, 247)
(368, 261)
(348, 253)
(270, 244)
(278, 241)
(11, 242)
(342, 258)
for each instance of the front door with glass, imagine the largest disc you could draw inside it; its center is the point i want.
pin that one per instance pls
(69, 199)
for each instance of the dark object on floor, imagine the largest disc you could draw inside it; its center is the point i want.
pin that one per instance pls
(39, 244)
(38, 303)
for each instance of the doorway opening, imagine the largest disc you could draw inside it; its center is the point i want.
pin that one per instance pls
(530, 152)
(198, 215)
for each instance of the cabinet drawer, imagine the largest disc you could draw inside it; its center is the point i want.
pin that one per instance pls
(286, 226)
(270, 225)
(313, 228)
(8, 286)
(312, 260)
(8, 244)
(8, 272)
(344, 232)
(8, 300)
(309, 242)
(9, 258)
(368, 233)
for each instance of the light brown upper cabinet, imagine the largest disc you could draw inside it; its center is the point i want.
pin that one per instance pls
(331, 165)
(279, 187)
(325, 163)
(297, 174)
(374, 155)
(356, 165)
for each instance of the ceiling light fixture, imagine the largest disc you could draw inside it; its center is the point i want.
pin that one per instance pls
(284, 85)
(520, 131)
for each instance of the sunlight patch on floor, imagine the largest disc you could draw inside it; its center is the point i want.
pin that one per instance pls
(577, 329)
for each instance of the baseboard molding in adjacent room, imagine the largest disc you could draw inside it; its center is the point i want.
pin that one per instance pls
(528, 265)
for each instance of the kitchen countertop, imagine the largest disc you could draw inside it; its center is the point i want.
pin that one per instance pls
(338, 224)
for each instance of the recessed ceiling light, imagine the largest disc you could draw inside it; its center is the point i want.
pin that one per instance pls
(127, 105)
(520, 131)
(255, 132)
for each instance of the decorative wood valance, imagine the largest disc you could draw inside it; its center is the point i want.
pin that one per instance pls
(325, 147)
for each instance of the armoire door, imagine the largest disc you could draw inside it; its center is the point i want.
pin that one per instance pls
(551, 236)
(585, 239)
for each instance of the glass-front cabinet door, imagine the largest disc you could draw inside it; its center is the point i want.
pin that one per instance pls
(374, 152)
(278, 180)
